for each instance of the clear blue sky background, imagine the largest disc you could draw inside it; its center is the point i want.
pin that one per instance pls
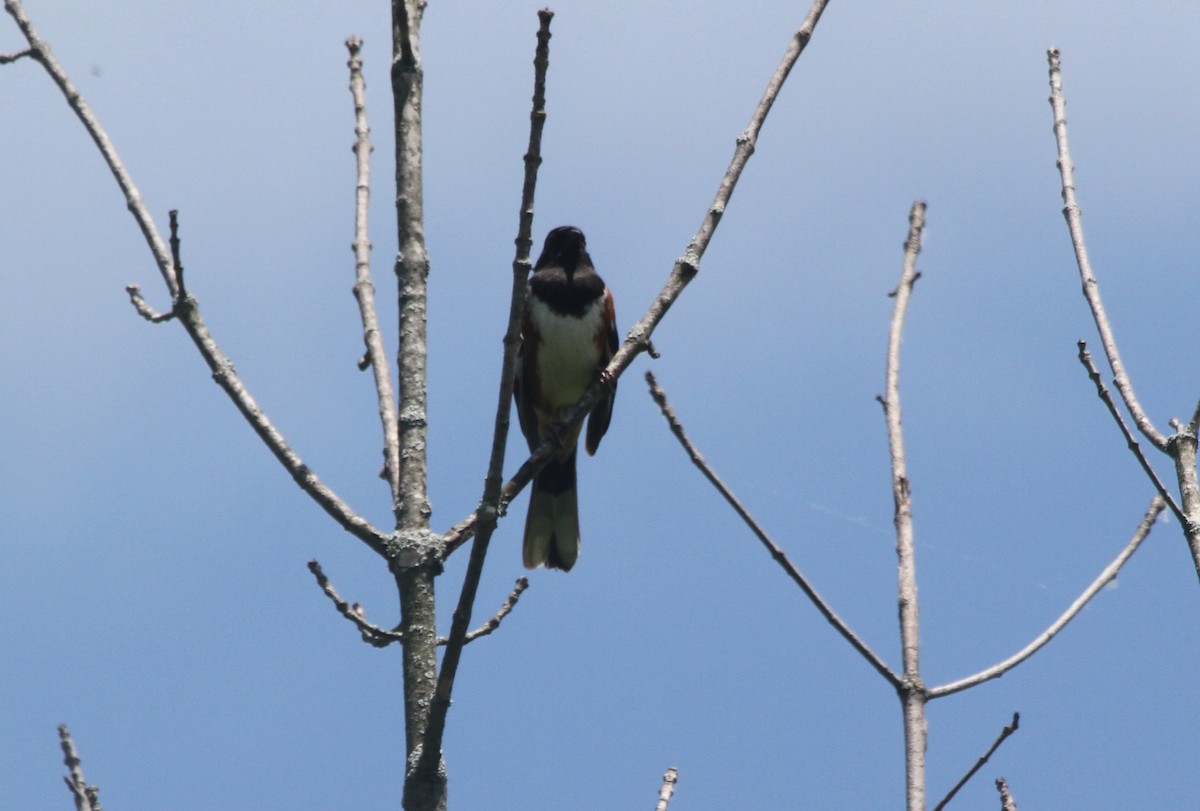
(155, 594)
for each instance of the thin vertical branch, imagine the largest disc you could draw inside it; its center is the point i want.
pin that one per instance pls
(418, 556)
(412, 262)
(1007, 803)
(489, 506)
(912, 692)
(1182, 448)
(1091, 289)
(87, 798)
(364, 288)
(667, 790)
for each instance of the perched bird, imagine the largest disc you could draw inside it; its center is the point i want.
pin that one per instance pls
(569, 334)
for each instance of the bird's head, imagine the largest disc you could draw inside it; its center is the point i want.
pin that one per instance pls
(563, 248)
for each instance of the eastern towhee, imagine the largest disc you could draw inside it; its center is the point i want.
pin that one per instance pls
(569, 334)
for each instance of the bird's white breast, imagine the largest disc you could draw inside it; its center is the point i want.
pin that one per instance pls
(567, 351)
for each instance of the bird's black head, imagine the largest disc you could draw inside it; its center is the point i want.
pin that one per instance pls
(564, 247)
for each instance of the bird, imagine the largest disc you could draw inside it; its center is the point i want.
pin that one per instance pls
(568, 336)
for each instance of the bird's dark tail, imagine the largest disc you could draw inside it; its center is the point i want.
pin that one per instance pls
(552, 523)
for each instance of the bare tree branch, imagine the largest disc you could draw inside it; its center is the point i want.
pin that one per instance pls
(912, 691)
(364, 288)
(1085, 358)
(1091, 289)
(667, 790)
(492, 624)
(143, 308)
(371, 634)
(1194, 423)
(418, 561)
(684, 270)
(40, 50)
(9, 58)
(489, 505)
(1181, 446)
(979, 764)
(87, 798)
(831, 616)
(1006, 801)
(1108, 573)
(187, 311)
(380, 637)
(412, 262)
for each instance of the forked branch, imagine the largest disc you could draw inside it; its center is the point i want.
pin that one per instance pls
(1180, 446)
(1091, 289)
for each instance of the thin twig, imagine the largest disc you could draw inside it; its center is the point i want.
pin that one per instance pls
(87, 798)
(667, 789)
(912, 692)
(1085, 358)
(364, 288)
(489, 504)
(40, 51)
(1194, 424)
(979, 764)
(143, 308)
(176, 256)
(1007, 803)
(9, 58)
(831, 616)
(371, 634)
(1108, 573)
(1181, 446)
(494, 623)
(1091, 289)
(684, 270)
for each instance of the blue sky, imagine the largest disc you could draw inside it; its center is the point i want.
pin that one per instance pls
(155, 591)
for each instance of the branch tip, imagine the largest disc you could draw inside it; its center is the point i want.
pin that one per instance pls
(1009, 729)
(667, 789)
